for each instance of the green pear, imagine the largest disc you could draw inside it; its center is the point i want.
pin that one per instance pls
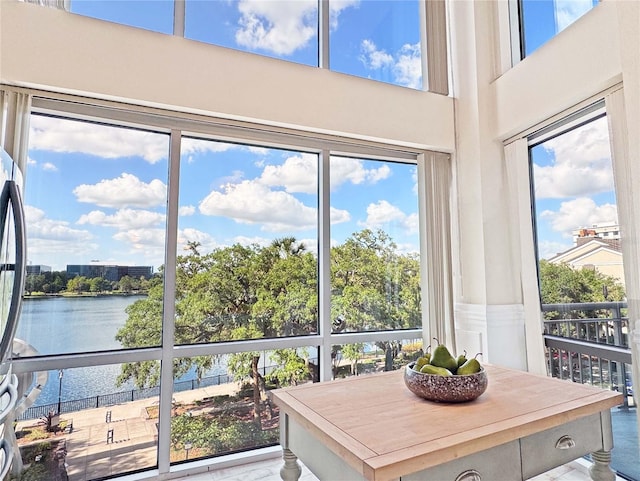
(431, 369)
(472, 366)
(462, 358)
(441, 357)
(421, 361)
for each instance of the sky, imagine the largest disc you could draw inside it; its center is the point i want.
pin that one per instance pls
(98, 193)
(377, 39)
(573, 185)
(543, 19)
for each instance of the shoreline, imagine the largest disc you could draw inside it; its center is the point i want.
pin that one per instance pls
(84, 295)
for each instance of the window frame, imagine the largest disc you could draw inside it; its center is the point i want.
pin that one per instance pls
(177, 124)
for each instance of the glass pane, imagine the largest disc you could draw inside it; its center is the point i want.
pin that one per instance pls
(378, 40)
(84, 425)
(284, 29)
(247, 243)
(210, 420)
(581, 267)
(156, 15)
(95, 202)
(543, 19)
(370, 357)
(375, 262)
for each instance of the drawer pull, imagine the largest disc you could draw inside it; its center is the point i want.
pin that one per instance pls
(565, 442)
(469, 475)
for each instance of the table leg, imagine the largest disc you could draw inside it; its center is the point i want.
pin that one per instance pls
(600, 470)
(291, 470)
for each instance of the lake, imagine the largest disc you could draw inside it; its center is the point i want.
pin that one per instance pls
(63, 325)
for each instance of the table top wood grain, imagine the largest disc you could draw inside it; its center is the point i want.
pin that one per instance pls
(384, 431)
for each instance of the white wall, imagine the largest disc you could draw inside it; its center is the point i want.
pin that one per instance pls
(580, 62)
(52, 49)
(574, 66)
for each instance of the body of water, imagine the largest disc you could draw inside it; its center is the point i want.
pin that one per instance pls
(65, 325)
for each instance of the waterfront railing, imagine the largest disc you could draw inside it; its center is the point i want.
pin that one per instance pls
(106, 400)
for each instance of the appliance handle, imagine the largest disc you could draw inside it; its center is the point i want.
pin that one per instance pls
(17, 208)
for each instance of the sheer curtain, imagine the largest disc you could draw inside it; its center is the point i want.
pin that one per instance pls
(434, 169)
(15, 110)
(626, 171)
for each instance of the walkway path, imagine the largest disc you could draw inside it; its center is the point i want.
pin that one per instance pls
(99, 447)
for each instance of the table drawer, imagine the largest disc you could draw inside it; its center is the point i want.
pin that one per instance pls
(498, 463)
(548, 449)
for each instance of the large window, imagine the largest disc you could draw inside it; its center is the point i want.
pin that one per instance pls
(541, 20)
(286, 29)
(581, 269)
(379, 40)
(169, 288)
(95, 199)
(156, 15)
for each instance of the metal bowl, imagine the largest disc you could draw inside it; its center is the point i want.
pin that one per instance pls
(450, 389)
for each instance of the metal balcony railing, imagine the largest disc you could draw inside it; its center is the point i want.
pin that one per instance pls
(589, 343)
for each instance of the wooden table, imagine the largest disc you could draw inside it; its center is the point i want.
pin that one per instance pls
(373, 428)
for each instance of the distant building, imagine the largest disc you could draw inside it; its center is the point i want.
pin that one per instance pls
(596, 247)
(601, 231)
(109, 272)
(37, 269)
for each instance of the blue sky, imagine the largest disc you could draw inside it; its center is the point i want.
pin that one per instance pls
(545, 18)
(98, 193)
(574, 187)
(376, 39)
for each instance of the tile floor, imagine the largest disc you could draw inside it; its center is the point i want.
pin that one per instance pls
(269, 470)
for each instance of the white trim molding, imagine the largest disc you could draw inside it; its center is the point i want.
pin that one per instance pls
(498, 331)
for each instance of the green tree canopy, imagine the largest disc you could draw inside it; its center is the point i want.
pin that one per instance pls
(562, 284)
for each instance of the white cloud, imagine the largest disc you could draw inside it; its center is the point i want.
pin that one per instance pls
(251, 202)
(57, 135)
(148, 243)
(383, 214)
(48, 237)
(411, 222)
(207, 242)
(405, 66)
(297, 174)
(123, 219)
(126, 190)
(408, 67)
(582, 163)
(345, 169)
(280, 27)
(190, 146)
(141, 239)
(373, 58)
(580, 212)
(335, 9)
(338, 216)
(49, 166)
(568, 11)
(186, 210)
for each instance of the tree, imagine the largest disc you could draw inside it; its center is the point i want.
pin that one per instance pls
(125, 284)
(248, 292)
(78, 284)
(562, 284)
(374, 287)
